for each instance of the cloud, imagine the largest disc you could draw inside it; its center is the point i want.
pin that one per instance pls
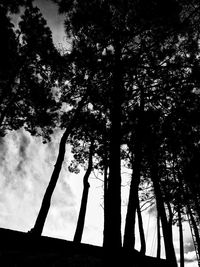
(189, 246)
(26, 165)
(190, 256)
(24, 141)
(54, 20)
(22, 190)
(153, 210)
(191, 264)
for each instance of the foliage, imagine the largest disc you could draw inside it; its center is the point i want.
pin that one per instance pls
(29, 74)
(13, 6)
(136, 64)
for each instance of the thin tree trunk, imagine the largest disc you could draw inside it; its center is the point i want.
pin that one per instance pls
(179, 197)
(105, 185)
(129, 232)
(181, 238)
(141, 229)
(112, 232)
(192, 221)
(170, 216)
(158, 237)
(195, 228)
(195, 196)
(167, 233)
(84, 200)
(41, 218)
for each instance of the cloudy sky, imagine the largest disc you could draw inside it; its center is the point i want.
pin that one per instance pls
(26, 165)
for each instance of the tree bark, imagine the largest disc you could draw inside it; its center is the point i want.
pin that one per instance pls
(46, 202)
(84, 200)
(112, 232)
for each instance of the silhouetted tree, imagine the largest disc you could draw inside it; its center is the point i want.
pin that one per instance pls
(121, 43)
(46, 202)
(129, 232)
(141, 230)
(110, 26)
(27, 74)
(13, 6)
(181, 238)
(84, 200)
(158, 237)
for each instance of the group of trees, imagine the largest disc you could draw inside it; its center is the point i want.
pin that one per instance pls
(128, 92)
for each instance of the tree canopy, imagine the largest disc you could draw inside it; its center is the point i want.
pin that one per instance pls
(128, 91)
(29, 74)
(140, 58)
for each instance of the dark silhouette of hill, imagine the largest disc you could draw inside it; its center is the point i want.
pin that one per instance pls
(21, 249)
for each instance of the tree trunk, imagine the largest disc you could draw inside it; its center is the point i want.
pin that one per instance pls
(195, 196)
(158, 237)
(167, 232)
(170, 217)
(181, 238)
(112, 232)
(129, 232)
(105, 186)
(41, 218)
(141, 229)
(195, 228)
(84, 200)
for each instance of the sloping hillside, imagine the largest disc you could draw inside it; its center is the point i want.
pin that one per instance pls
(18, 249)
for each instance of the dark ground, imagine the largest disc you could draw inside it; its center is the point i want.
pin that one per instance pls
(18, 249)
